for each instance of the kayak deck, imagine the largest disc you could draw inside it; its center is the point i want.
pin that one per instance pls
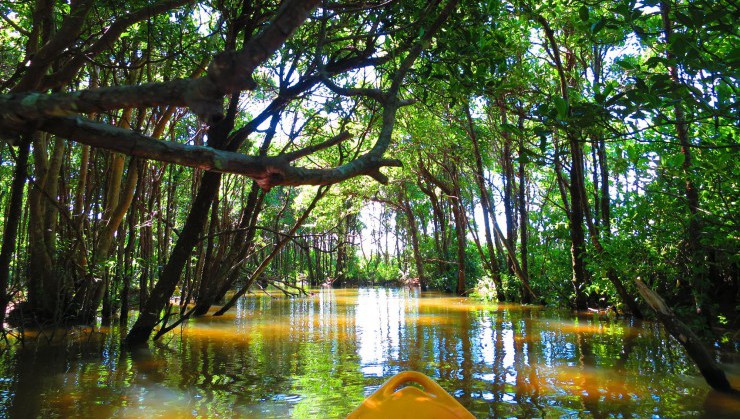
(392, 401)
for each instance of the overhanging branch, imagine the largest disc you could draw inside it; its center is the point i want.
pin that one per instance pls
(229, 72)
(267, 171)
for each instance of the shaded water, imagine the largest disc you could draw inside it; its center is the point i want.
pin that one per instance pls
(321, 356)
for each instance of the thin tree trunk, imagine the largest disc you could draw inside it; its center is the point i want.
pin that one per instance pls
(10, 234)
(523, 215)
(415, 244)
(577, 234)
(694, 264)
(508, 180)
(486, 205)
(712, 373)
(579, 278)
(459, 217)
(160, 295)
(605, 199)
(266, 261)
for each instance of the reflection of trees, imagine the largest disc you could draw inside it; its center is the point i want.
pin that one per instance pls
(499, 373)
(466, 364)
(527, 382)
(282, 356)
(52, 377)
(619, 367)
(327, 376)
(30, 371)
(589, 392)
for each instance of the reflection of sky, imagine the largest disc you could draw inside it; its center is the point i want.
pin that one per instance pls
(485, 339)
(380, 321)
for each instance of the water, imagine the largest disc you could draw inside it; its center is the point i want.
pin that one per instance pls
(321, 356)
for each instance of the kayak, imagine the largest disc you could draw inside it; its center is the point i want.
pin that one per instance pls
(423, 398)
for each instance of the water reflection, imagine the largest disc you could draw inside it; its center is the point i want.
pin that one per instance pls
(320, 356)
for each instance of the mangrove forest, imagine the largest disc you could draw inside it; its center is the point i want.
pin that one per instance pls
(267, 208)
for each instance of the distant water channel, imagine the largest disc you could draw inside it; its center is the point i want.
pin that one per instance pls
(321, 356)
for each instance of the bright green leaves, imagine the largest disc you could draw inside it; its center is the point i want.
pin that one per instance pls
(725, 95)
(562, 107)
(597, 26)
(627, 63)
(601, 94)
(733, 58)
(656, 61)
(683, 47)
(674, 161)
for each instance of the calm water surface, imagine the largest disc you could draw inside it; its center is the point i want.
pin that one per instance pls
(321, 356)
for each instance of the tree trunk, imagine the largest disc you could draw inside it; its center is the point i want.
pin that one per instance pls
(486, 205)
(523, 215)
(611, 275)
(46, 294)
(266, 261)
(508, 179)
(713, 374)
(576, 218)
(11, 223)
(577, 188)
(160, 295)
(605, 199)
(440, 229)
(415, 244)
(459, 217)
(695, 260)
(128, 268)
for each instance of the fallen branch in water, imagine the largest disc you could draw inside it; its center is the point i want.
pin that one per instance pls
(697, 351)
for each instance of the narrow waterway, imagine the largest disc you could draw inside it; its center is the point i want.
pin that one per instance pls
(321, 356)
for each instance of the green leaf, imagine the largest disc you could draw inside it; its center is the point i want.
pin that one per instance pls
(583, 13)
(675, 161)
(679, 45)
(562, 106)
(733, 57)
(633, 154)
(511, 129)
(724, 93)
(598, 26)
(624, 10)
(608, 89)
(652, 62)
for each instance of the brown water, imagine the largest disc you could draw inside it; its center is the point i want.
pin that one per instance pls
(321, 356)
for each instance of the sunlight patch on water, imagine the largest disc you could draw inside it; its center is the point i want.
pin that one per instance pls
(593, 383)
(596, 327)
(215, 333)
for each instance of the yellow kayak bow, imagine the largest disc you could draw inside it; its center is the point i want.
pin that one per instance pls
(433, 402)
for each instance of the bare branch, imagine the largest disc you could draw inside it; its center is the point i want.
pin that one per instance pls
(376, 94)
(267, 171)
(295, 155)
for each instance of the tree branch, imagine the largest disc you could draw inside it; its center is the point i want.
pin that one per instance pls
(295, 155)
(267, 171)
(111, 34)
(229, 72)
